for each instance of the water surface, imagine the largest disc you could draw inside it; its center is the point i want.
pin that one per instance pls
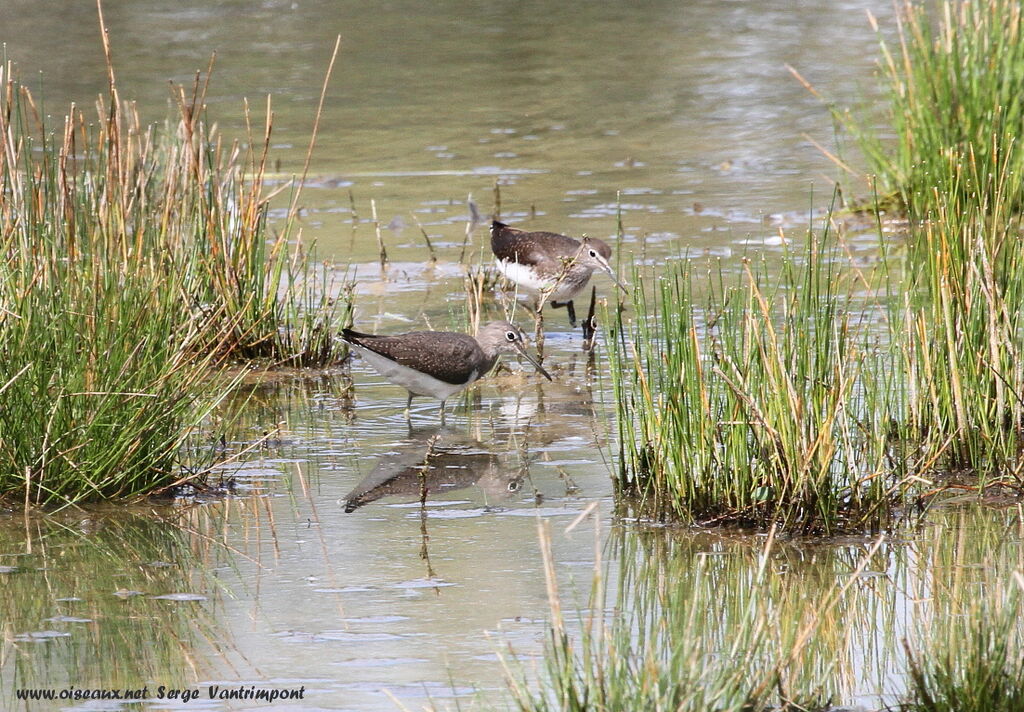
(681, 117)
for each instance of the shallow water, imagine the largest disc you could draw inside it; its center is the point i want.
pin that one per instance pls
(681, 116)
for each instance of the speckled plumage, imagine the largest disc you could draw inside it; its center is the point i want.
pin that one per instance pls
(448, 356)
(545, 251)
(557, 266)
(558, 261)
(439, 363)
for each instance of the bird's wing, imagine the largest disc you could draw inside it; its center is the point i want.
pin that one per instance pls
(530, 248)
(447, 356)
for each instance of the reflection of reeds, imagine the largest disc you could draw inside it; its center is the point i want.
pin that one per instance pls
(136, 262)
(971, 663)
(692, 629)
(718, 622)
(103, 568)
(964, 650)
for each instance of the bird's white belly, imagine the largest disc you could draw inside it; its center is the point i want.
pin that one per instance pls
(529, 280)
(414, 381)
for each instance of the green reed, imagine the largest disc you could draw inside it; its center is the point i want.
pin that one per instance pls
(791, 402)
(949, 156)
(970, 661)
(953, 99)
(136, 262)
(781, 405)
(763, 403)
(962, 330)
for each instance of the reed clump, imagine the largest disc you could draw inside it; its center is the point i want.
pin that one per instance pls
(764, 404)
(953, 100)
(799, 404)
(135, 263)
(802, 406)
(952, 158)
(961, 339)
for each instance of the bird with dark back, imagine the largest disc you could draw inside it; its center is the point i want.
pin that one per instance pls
(439, 364)
(550, 265)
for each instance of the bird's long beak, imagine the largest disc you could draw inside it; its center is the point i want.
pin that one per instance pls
(533, 360)
(611, 273)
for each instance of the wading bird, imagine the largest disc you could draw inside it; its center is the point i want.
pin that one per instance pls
(440, 363)
(552, 266)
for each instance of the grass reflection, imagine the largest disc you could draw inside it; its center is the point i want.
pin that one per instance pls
(79, 602)
(927, 620)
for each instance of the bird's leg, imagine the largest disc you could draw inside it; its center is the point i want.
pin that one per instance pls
(569, 308)
(442, 412)
(408, 406)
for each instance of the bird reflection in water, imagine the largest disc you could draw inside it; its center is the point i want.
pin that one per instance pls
(434, 462)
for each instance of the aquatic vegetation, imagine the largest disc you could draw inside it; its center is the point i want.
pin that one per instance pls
(961, 337)
(767, 403)
(970, 657)
(983, 675)
(784, 405)
(947, 151)
(953, 90)
(799, 405)
(136, 263)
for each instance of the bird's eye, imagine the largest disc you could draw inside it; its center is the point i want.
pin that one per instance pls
(510, 335)
(514, 485)
(593, 253)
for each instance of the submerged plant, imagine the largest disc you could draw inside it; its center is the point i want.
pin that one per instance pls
(971, 660)
(710, 621)
(688, 632)
(80, 606)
